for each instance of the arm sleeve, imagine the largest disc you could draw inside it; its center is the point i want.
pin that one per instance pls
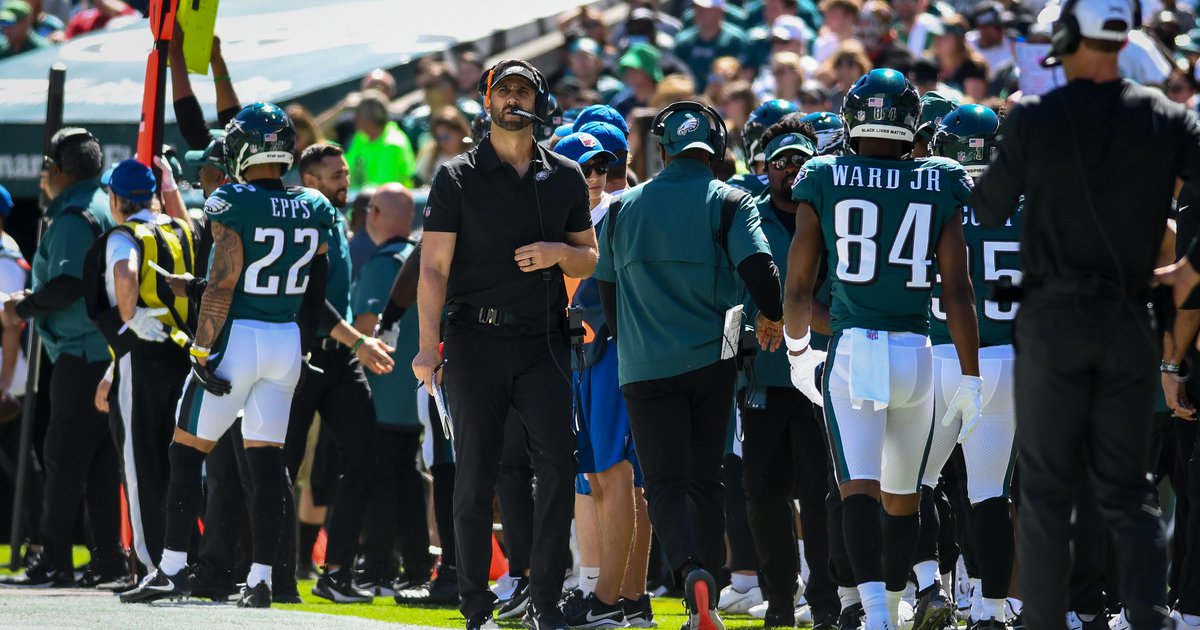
(57, 294)
(999, 189)
(443, 210)
(226, 115)
(608, 302)
(761, 276)
(313, 308)
(190, 119)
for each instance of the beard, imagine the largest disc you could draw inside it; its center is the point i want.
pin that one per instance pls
(339, 197)
(498, 118)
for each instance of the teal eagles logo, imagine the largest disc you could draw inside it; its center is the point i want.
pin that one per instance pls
(687, 126)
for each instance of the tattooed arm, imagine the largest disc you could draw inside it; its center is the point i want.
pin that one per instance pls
(222, 280)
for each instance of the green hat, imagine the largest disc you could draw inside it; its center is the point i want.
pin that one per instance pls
(644, 57)
(685, 130)
(213, 155)
(934, 106)
(789, 142)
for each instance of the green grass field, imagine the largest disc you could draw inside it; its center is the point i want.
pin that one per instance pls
(667, 612)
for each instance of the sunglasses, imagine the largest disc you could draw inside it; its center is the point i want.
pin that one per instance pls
(795, 160)
(588, 170)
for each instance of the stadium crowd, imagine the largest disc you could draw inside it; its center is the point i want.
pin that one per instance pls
(370, 467)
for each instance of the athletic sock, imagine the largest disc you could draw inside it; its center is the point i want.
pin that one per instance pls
(948, 583)
(308, 539)
(172, 561)
(927, 574)
(992, 609)
(743, 583)
(269, 484)
(874, 599)
(849, 596)
(258, 572)
(900, 535)
(588, 577)
(864, 537)
(993, 535)
(183, 496)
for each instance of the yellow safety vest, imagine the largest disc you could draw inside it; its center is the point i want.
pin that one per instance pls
(172, 247)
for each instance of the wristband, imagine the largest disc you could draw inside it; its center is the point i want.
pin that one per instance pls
(358, 344)
(797, 345)
(223, 77)
(199, 352)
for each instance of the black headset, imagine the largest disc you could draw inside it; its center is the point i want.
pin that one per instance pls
(541, 105)
(1065, 36)
(718, 135)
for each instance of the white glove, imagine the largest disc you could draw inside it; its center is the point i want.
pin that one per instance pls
(966, 403)
(804, 373)
(145, 324)
(168, 176)
(388, 336)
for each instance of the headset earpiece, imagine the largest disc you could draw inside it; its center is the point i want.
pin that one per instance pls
(541, 104)
(1065, 36)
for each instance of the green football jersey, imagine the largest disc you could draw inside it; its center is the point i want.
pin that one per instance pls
(281, 230)
(993, 255)
(881, 220)
(749, 182)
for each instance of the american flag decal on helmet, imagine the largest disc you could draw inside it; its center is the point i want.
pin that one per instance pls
(875, 101)
(975, 143)
(270, 137)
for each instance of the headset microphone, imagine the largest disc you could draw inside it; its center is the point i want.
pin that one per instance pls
(530, 115)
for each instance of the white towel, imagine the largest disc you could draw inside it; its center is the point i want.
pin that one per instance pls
(870, 378)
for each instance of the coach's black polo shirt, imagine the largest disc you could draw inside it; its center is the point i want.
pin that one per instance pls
(493, 212)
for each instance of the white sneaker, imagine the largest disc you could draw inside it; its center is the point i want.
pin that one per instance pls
(962, 585)
(759, 611)
(1120, 622)
(1180, 622)
(736, 602)
(905, 614)
(1074, 622)
(505, 588)
(803, 614)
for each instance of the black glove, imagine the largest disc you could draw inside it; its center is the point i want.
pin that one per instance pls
(209, 380)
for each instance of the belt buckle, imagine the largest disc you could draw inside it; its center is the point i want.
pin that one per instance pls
(489, 316)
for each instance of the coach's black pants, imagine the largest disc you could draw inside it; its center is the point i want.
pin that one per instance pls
(1085, 381)
(398, 506)
(342, 396)
(147, 385)
(514, 493)
(679, 429)
(442, 469)
(485, 375)
(784, 458)
(81, 463)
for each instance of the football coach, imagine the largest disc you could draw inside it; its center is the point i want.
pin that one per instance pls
(1097, 161)
(505, 221)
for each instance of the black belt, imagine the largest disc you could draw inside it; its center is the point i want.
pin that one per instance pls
(327, 343)
(491, 316)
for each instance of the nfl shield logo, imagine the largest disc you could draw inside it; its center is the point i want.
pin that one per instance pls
(875, 101)
(873, 335)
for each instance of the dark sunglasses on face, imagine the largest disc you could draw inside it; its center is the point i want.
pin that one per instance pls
(795, 160)
(588, 170)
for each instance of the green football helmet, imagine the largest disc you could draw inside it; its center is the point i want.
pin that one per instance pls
(934, 107)
(260, 134)
(762, 117)
(831, 132)
(968, 135)
(882, 104)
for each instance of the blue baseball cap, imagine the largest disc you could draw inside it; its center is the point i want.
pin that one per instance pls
(609, 136)
(601, 113)
(6, 203)
(568, 122)
(582, 148)
(131, 180)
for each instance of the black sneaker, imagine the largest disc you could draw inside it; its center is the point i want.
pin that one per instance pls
(410, 579)
(91, 578)
(990, 623)
(638, 613)
(934, 611)
(159, 585)
(338, 587)
(441, 590)
(516, 605)
(375, 585)
(700, 596)
(41, 576)
(1017, 622)
(825, 621)
(780, 618)
(207, 586)
(257, 597)
(286, 594)
(852, 617)
(484, 622)
(544, 618)
(590, 612)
